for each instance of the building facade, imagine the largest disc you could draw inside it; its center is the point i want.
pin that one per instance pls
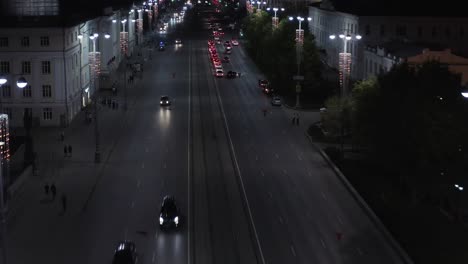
(58, 65)
(375, 29)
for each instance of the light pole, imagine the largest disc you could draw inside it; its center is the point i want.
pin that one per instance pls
(20, 83)
(275, 18)
(345, 61)
(259, 3)
(299, 44)
(95, 71)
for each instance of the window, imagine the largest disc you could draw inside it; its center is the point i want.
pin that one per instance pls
(382, 30)
(7, 110)
(47, 113)
(6, 91)
(25, 41)
(3, 42)
(44, 41)
(26, 67)
(420, 31)
(46, 90)
(27, 91)
(46, 67)
(367, 30)
(4, 67)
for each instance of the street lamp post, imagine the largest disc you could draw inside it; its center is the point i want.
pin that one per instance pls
(95, 72)
(259, 3)
(20, 83)
(345, 60)
(299, 44)
(275, 18)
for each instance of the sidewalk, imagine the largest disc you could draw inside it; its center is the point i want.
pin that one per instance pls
(33, 217)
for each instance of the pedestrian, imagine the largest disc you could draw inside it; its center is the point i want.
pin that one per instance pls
(62, 135)
(297, 120)
(65, 150)
(46, 189)
(113, 104)
(53, 190)
(70, 150)
(64, 202)
(294, 120)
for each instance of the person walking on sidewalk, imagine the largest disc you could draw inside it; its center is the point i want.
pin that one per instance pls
(64, 202)
(294, 120)
(70, 150)
(65, 150)
(297, 120)
(53, 190)
(62, 136)
(46, 189)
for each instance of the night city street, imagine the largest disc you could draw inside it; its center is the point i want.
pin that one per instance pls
(250, 184)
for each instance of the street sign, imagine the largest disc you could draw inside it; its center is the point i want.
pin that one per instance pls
(298, 78)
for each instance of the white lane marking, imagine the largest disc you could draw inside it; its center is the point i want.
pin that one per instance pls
(142, 165)
(280, 220)
(359, 251)
(323, 243)
(339, 220)
(133, 204)
(256, 157)
(292, 250)
(261, 172)
(299, 156)
(188, 152)
(324, 196)
(138, 184)
(152, 259)
(270, 195)
(167, 150)
(165, 165)
(285, 171)
(146, 149)
(240, 177)
(276, 155)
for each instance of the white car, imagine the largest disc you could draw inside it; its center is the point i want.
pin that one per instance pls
(234, 42)
(178, 41)
(219, 73)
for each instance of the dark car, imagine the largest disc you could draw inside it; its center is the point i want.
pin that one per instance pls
(125, 253)
(165, 101)
(263, 83)
(161, 48)
(169, 215)
(231, 74)
(276, 101)
(226, 59)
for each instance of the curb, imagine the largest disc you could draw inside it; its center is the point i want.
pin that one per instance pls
(362, 203)
(301, 109)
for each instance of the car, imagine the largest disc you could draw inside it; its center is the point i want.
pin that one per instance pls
(228, 47)
(219, 73)
(169, 214)
(178, 41)
(165, 101)
(227, 51)
(276, 101)
(218, 66)
(268, 90)
(234, 42)
(226, 59)
(161, 48)
(227, 43)
(263, 83)
(216, 38)
(231, 74)
(218, 42)
(125, 253)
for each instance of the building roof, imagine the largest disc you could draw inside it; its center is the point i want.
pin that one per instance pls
(447, 8)
(54, 13)
(402, 49)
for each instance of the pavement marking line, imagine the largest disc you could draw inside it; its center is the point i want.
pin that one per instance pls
(276, 155)
(147, 150)
(299, 156)
(261, 172)
(165, 165)
(324, 196)
(256, 157)
(359, 251)
(188, 149)
(270, 195)
(323, 243)
(285, 171)
(292, 250)
(152, 259)
(133, 204)
(239, 174)
(142, 165)
(280, 220)
(138, 184)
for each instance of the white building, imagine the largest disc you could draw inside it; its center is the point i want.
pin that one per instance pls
(377, 25)
(54, 60)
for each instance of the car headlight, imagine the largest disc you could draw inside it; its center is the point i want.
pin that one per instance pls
(160, 102)
(161, 220)
(176, 220)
